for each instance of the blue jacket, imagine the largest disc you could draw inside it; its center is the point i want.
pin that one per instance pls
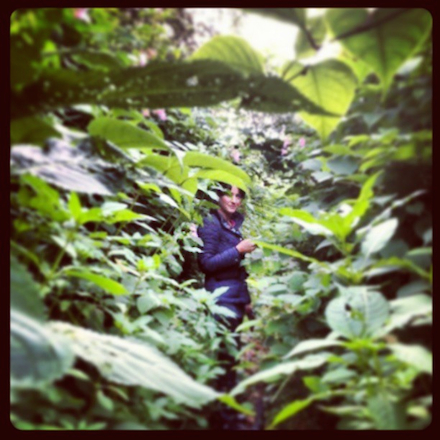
(220, 260)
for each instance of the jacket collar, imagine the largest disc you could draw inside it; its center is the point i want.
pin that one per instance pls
(237, 217)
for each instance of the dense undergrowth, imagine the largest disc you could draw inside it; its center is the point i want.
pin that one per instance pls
(119, 134)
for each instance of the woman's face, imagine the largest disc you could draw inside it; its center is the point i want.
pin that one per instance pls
(230, 203)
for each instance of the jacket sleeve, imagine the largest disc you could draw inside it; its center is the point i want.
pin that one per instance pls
(210, 261)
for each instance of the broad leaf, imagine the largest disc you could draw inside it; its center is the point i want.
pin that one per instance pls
(342, 165)
(67, 167)
(196, 159)
(330, 85)
(274, 95)
(134, 363)
(124, 134)
(386, 412)
(312, 344)
(359, 67)
(234, 51)
(357, 315)
(407, 310)
(378, 236)
(24, 291)
(107, 284)
(415, 355)
(223, 176)
(38, 355)
(31, 130)
(157, 85)
(273, 373)
(383, 39)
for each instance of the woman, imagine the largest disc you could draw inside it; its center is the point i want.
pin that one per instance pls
(223, 251)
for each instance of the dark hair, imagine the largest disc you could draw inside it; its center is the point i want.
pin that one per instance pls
(225, 188)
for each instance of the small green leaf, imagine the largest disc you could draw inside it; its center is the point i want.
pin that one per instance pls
(74, 206)
(290, 410)
(229, 400)
(377, 238)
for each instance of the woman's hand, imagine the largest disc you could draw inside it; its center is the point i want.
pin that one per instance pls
(246, 246)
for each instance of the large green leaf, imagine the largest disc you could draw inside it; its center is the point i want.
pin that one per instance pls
(383, 39)
(274, 95)
(222, 176)
(31, 130)
(24, 291)
(134, 363)
(273, 373)
(124, 134)
(196, 159)
(157, 85)
(67, 167)
(378, 236)
(359, 67)
(38, 355)
(415, 355)
(357, 315)
(234, 51)
(107, 284)
(330, 85)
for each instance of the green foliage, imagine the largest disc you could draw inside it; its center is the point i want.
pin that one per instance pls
(374, 37)
(110, 325)
(330, 85)
(234, 51)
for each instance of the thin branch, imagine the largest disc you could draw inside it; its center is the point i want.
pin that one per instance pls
(370, 25)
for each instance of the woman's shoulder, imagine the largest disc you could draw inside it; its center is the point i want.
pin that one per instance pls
(211, 220)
